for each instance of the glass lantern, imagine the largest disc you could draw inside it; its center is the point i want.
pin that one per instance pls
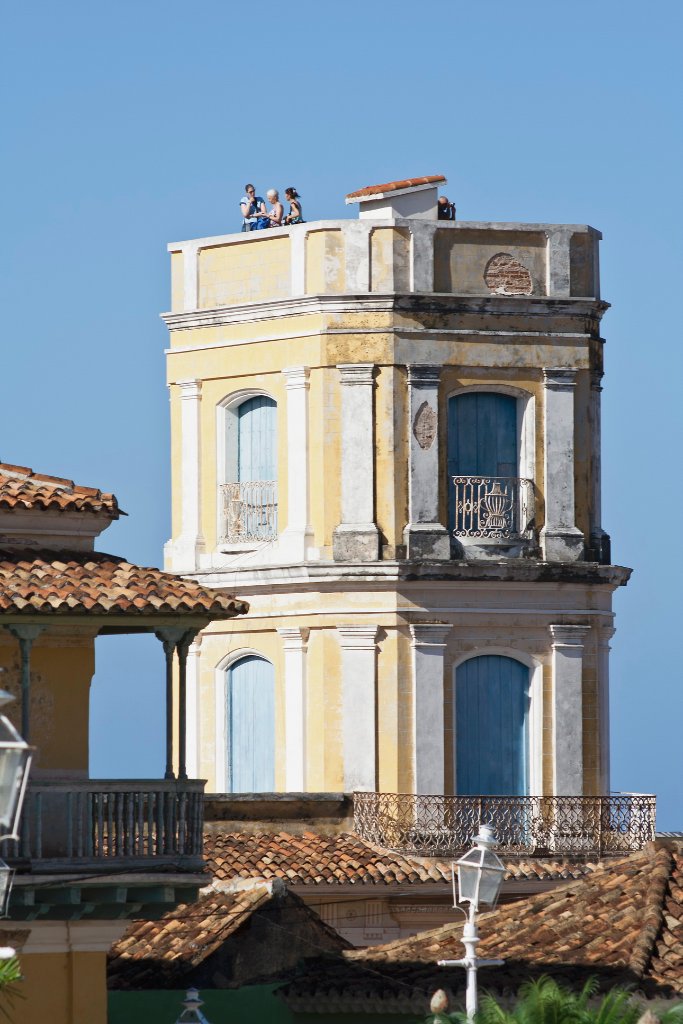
(15, 763)
(480, 871)
(192, 1014)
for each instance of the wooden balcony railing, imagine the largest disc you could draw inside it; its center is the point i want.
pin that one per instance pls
(103, 824)
(442, 826)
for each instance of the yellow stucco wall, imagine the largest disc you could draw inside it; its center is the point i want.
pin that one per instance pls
(63, 988)
(61, 672)
(251, 272)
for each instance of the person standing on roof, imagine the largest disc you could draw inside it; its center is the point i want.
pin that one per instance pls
(252, 207)
(295, 215)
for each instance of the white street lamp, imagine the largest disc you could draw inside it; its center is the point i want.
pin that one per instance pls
(15, 764)
(480, 876)
(192, 1014)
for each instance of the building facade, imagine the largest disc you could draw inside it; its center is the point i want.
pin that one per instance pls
(91, 854)
(386, 438)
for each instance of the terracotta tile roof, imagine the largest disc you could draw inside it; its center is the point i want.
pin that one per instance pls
(90, 582)
(621, 923)
(314, 859)
(21, 488)
(394, 186)
(170, 951)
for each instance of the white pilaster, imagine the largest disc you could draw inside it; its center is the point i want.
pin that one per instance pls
(599, 540)
(357, 538)
(359, 705)
(193, 709)
(295, 642)
(558, 278)
(190, 544)
(357, 257)
(604, 637)
(190, 276)
(424, 536)
(422, 256)
(297, 256)
(567, 665)
(428, 642)
(561, 540)
(296, 541)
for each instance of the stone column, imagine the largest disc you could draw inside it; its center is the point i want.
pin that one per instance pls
(604, 637)
(424, 536)
(561, 540)
(193, 706)
(26, 636)
(190, 543)
(356, 539)
(429, 647)
(296, 539)
(359, 706)
(599, 540)
(567, 665)
(295, 641)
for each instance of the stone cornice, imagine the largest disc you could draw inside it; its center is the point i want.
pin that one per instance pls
(559, 378)
(387, 575)
(373, 302)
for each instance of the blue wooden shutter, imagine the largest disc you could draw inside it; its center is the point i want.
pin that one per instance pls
(482, 438)
(256, 454)
(251, 726)
(492, 726)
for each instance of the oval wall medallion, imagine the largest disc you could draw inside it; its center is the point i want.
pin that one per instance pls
(505, 275)
(424, 426)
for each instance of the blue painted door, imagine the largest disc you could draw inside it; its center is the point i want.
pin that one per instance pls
(482, 439)
(256, 454)
(492, 726)
(257, 461)
(251, 726)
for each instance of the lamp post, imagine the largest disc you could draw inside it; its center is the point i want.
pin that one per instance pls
(192, 1014)
(15, 764)
(480, 876)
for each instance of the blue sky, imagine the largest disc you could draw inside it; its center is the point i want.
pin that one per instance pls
(129, 125)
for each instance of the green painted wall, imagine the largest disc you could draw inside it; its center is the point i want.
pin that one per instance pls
(256, 1004)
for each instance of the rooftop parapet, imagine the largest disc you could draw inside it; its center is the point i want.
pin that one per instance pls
(385, 255)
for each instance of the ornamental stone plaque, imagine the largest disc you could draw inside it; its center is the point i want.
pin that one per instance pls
(424, 426)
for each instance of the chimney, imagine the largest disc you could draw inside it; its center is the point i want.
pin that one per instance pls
(412, 198)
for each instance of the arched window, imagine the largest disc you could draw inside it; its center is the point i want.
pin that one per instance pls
(250, 726)
(484, 495)
(491, 726)
(249, 490)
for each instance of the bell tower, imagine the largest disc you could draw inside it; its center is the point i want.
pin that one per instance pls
(386, 438)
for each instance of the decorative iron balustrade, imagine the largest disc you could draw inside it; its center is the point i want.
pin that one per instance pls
(249, 511)
(442, 826)
(499, 507)
(103, 824)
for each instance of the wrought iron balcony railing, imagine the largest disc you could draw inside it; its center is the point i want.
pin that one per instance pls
(249, 511)
(129, 824)
(442, 826)
(499, 507)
